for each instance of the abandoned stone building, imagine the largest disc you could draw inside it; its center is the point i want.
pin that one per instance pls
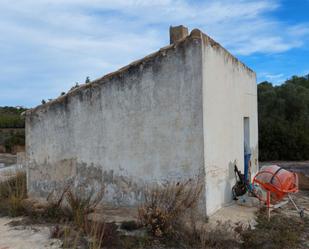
(184, 111)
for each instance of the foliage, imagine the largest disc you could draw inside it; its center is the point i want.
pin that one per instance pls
(10, 117)
(284, 120)
(12, 125)
(14, 138)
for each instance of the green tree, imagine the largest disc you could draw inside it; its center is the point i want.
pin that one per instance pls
(284, 120)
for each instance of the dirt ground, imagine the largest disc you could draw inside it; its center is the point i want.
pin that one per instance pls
(25, 237)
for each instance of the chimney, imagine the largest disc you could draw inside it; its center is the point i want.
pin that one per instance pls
(177, 33)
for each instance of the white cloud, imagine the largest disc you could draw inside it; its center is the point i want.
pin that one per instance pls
(50, 44)
(299, 30)
(274, 78)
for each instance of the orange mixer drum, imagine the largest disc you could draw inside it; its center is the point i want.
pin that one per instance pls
(277, 180)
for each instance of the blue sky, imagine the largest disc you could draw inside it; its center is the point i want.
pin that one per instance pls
(48, 45)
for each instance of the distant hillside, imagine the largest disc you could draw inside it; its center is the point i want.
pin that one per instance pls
(284, 120)
(10, 117)
(12, 133)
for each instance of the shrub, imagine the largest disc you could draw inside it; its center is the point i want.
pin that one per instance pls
(283, 120)
(10, 117)
(164, 207)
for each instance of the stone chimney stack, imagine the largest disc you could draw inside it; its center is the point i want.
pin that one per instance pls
(177, 33)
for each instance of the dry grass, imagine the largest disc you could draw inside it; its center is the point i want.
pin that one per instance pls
(164, 207)
(170, 214)
(51, 211)
(70, 238)
(93, 235)
(81, 203)
(281, 232)
(96, 232)
(12, 193)
(69, 205)
(65, 206)
(101, 234)
(222, 236)
(203, 236)
(55, 210)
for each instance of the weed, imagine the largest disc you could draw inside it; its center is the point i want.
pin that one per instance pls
(81, 204)
(164, 207)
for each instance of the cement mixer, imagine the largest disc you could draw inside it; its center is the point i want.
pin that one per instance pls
(272, 183)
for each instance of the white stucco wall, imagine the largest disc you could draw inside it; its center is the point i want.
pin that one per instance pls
(174, 115)
(229, 95)
(137, 126)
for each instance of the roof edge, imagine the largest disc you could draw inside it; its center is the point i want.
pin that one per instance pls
(102, 79)
(208, 40)
(195, 34)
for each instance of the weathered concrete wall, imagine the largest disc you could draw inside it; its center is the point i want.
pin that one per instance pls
(137, 126)
(230, 94)
(175, 114)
